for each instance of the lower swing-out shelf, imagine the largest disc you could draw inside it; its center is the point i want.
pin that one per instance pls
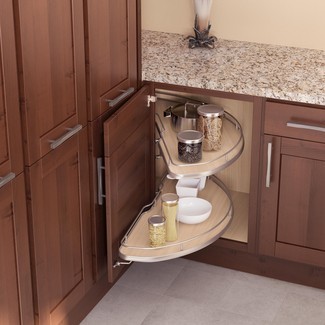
(135, 244)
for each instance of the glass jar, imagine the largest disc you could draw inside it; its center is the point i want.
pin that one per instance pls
(190, 146)
(157, 230)
(169, 207)
(210, 124)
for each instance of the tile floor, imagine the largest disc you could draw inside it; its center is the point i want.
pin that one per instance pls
(181, 292)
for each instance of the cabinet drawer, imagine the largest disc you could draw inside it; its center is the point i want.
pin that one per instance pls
(293, 121)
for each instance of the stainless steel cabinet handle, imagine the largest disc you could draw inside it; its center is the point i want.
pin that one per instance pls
(115, 101)
(306, 126)
(100, 168)
(71, 131)
(6, 179)
(268, 167)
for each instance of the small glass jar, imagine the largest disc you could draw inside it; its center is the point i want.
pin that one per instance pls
(157, 230)
(169, 207)
(190, 146)
(210, 124)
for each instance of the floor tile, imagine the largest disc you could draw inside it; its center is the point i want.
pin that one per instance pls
(122, 306)
(152, 277)
(181, 312)
(261, 300)
(182, 291)
(199, 286)
(301, 310)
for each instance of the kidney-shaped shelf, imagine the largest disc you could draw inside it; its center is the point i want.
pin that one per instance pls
(232, 145)
(135, 244)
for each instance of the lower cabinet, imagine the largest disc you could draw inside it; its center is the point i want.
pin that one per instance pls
(129, 170)
(293, 206)
(58, 201)
(15, 275)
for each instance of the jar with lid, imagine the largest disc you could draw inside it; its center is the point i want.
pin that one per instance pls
(169, 206)
(157, 230)
(210, 124)
(190, 146)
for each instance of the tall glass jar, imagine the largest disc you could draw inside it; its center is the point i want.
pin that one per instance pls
(210, 124)
(169, 207)
(157, 230)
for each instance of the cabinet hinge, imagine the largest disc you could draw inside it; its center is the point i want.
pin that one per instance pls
(151, 99)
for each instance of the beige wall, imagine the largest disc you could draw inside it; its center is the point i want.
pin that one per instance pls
(298, 23)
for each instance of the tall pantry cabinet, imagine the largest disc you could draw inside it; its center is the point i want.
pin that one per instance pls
(15, 276)
(50, 37)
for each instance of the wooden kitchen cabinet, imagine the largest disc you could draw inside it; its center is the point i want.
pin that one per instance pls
(112, 53)
(129, 188)
(112, 77)
(11, 155)
(58, 202)
(52, 72)
(292, 200)
(16, 303)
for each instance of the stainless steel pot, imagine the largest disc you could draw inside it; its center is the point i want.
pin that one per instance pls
(183, 116)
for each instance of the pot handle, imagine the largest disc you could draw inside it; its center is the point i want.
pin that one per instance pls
(168, 112)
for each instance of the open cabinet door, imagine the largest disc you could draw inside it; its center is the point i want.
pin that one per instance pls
(129, 170)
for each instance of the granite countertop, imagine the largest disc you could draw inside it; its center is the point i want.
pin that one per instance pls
(270, 71)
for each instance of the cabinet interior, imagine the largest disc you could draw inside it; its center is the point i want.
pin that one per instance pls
(236, 176)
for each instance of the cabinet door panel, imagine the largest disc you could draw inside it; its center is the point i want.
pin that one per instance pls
(129, 170)
(112, 51)
(15, 277)
(52, 64)
(301, 219)
(292, 223)
(11, 156)
(61, 228)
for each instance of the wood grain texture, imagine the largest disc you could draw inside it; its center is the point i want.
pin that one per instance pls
(292, 224)
(129, 170)
(11, 156)
(111, 51)
(15, 275)
(278, 114)
(60, 224)
(52, 71)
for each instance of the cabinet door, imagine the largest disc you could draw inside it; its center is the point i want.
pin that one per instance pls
(293, 206)
(11, 155)
(112, 52)
(129, 170)
(15, 276)
(52, 72)
(59, 206)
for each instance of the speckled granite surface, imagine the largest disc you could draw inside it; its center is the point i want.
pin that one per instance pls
(270, 71)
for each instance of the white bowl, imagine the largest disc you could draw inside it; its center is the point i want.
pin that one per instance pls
(192, 210)
(187, 187)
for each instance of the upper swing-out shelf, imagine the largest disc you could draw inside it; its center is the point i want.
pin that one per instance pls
(232, 145)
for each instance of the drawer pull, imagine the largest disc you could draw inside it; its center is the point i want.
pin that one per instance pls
(71, 132)
(6, 179)
(268, 167)
(115, 101)
(100, 186)
(306, 126)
